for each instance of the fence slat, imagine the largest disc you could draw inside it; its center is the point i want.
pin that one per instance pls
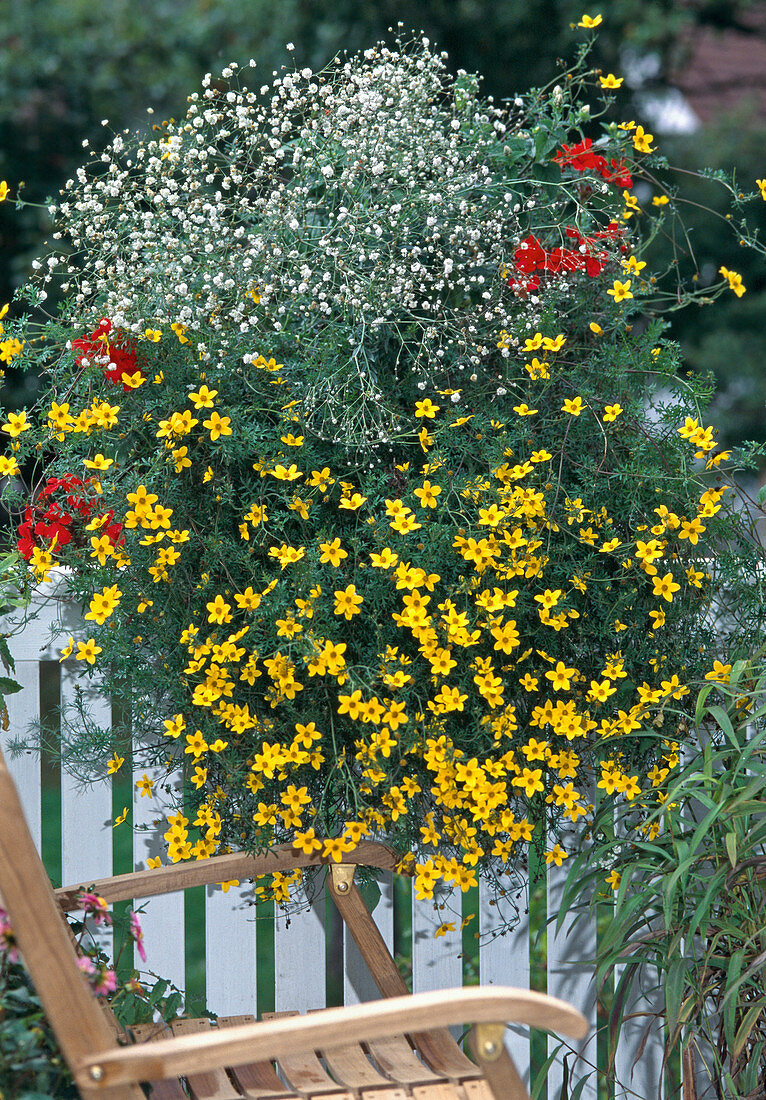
(299, 956)
(504, 949)
(23, 709)
(571, 961)
(358, 984)
(86, 809)
(163, 921)
(231, 957)
(436, 963)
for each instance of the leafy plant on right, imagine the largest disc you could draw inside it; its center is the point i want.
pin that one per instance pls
(688, 884)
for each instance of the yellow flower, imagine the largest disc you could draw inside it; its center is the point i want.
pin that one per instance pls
(180, 331)
(153, 334)
(524, 410)
(121, 817)
(103, 604)
(620, 291)
(219, 611)
(531, 781)
(611, 412)
(611, 81)
(88, 651)
(443, 929)
(153, 862)
(114, 764)
(98, 462)
(426, 408)
(203, 398)
(385, 559)
(665, 587)
(660, 200)
(3, 190)
(590, 22)
(642, 141)
(573, 406)
(734, 280)
(195, 744)
(226, 886)
(347, 602)
(556, 855)
(352, 503)
(719, 674)
(16, 424)
(614, 878)
(560, 676)
(633, 265)
(217, 426)
(145, 785)
(427, 494)
(332, 553)
(9, 467)
(761, 185)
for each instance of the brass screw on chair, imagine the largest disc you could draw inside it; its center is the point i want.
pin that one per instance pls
(95, 1073)
(341, 888)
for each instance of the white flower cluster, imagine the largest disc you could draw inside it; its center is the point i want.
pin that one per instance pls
(352, 222)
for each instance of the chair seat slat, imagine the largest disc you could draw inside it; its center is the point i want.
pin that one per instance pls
(256, 1080)
(171, 1089)
(399, 1061)
(305, 1072)
(350, 1066)
(214, 1084)
(444, 1091)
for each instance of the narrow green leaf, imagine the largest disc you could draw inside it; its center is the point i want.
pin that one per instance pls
(730, 841)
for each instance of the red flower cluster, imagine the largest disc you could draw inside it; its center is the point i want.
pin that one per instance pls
(118, 359)
(62, 508)
(590, 257)
(582, 158)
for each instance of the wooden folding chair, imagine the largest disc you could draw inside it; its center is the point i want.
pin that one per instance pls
(393, 1049)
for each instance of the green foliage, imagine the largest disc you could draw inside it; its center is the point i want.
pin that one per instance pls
(688, 907)
(31, 1065)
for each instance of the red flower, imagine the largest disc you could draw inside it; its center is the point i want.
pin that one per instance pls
(581, 157)
(63, 508)
(116, 358)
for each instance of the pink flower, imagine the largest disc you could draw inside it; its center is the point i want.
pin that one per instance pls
(95, 907)
(8, 948)
(105, 982)
(137, 934)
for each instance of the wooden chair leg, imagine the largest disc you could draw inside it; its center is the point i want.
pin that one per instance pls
(496, 1063)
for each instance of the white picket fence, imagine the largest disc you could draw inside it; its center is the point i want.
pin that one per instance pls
(232, 934)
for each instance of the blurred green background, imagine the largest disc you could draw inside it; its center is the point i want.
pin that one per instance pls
(692, 77)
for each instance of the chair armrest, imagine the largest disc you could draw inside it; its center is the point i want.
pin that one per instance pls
(263, 1041)
(239, 865)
